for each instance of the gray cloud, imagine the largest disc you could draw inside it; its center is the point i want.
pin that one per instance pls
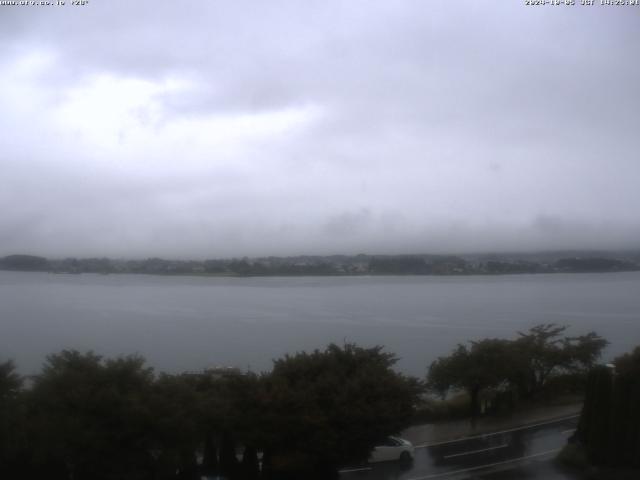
(210, 129)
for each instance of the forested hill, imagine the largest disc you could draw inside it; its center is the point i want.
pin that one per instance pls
(417, 264)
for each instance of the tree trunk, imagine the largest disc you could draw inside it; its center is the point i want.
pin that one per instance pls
(228, 460)
(250, 466)
(210, 456)
(474, 398)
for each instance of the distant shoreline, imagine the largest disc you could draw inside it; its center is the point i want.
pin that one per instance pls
(339, 265)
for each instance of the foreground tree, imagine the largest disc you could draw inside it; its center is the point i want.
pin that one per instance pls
(12, 439)
(89, 418)
(484, 364)
(10, 381)
(226, 415)
(523, 365)
(329, 407)
(609, 427)
(543, 352)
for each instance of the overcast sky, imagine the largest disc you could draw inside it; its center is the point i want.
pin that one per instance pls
(213, 128)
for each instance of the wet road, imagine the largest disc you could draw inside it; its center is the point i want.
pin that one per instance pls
(524, 452)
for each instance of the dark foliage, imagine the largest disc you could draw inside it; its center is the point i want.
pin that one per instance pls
(85, 417)
(522, 366)
(332, 406)
(609, 426)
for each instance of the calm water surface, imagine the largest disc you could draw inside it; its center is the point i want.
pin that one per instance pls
(187, 323)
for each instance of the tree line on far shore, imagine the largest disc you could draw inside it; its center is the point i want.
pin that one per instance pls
(315, 265)
(88, 417)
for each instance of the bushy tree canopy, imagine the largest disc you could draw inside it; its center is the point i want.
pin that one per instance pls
(609, 427)
(484, 364)
(12, 437)
(334, 405)
(543, 351)
(88, 417)
(524, 364)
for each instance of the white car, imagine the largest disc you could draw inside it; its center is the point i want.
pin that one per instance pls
(393, 448)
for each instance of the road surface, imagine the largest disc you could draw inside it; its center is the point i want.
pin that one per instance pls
(523, 452)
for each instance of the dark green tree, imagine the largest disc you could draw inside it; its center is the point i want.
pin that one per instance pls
(10, 381)
(177, 431)
(543, 352)
(609, 427)
(89, 418)
(329, 407)
(484, 364)
(12, 439)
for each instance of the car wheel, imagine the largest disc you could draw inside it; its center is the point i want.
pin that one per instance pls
(405, 458)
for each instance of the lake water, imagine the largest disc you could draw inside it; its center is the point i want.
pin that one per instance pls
(187, 323)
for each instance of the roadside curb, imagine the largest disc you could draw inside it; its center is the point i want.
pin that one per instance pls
(419, 435)
(499, 432)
